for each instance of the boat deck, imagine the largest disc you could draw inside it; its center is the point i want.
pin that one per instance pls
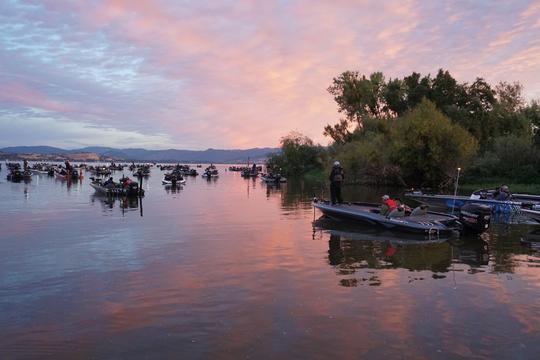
(373, 209)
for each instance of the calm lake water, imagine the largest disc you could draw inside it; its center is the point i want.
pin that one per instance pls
(232, 268)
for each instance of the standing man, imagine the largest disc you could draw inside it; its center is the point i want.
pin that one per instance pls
(336, 180)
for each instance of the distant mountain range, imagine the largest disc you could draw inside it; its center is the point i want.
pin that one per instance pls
(169, 155)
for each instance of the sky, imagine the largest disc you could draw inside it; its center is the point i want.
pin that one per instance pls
(233, 74)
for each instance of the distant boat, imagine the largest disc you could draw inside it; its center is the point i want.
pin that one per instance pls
(67, 175)
(125, 187)
(172, 180)
(210, 172)
(273, 179)
(17, 175)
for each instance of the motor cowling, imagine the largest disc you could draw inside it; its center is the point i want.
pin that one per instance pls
(475, 217)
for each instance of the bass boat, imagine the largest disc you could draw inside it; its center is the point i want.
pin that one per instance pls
(445, 202)
(173, 180)
(273, 179)
(125, 187)
(476, 219)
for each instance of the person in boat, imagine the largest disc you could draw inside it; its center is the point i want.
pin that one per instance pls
(401, 204)
(68, 166)
(25, 165)
(336, 178)
(109, 183)
(254, 169)
(503, 194)
(399, 211)
(420, 210)
(126, 182)
(387, 206)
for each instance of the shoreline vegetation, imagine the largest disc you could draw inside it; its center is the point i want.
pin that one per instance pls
(415, 132)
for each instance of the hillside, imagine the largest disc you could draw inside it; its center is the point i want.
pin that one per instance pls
(169, 155)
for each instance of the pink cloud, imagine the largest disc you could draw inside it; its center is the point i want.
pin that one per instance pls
(246, 73)
(25, 96)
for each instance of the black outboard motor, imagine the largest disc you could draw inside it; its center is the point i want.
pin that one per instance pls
(475, 217)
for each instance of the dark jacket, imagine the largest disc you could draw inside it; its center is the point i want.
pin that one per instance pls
(337, 175)
(502, 196)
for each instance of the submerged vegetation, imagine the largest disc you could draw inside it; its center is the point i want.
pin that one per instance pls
(418, 130)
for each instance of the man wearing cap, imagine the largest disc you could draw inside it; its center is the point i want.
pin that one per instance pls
(336, 180)
(387, 205)
(503, 194)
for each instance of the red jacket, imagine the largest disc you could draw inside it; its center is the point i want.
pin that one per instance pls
(391, 204)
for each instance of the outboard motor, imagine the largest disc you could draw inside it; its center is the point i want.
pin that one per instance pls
(475, 217)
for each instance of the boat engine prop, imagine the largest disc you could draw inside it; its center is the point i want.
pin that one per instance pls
(475, 217)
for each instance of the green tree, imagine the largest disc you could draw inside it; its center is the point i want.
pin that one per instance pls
(395, 97)
(532, 113)
(418, 88)
(511, 157)
(428, 147)
(358, 97)
(479, 103)
(298, 156)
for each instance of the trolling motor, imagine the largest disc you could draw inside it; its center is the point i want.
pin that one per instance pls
(475, 217)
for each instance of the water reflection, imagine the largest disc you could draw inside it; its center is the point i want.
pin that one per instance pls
(353, 247)
(173, 189)
(353, 253)
(126, 204)
(532, 239)
(69, 184)
(212, 271)
(473, 252)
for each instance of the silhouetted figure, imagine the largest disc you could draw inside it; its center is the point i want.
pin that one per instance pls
(336, 181)
(335, 253)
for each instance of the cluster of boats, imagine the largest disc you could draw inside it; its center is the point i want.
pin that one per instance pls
(178, 174)
(245, 168)
(254, 171)
(272, 178)
(473, 218)
(141, 170)
(125, 187)
(448, 215)
(170, 167)
(16, 174)
(526, 204)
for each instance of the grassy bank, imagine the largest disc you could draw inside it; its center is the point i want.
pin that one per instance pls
(315, 176)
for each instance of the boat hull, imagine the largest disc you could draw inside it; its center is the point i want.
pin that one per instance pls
(431, 223)
(169, 182)
(456, 202)
(533, 214)
(115, 191)
(269, 180)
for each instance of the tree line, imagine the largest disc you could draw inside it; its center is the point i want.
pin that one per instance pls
(416, 130)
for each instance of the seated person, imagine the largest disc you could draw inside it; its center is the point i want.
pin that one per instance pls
(109, 183)
(400, 203)
(387, 205)
(397, 212)
(126, 182)
(503, 194)
(420, 210)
